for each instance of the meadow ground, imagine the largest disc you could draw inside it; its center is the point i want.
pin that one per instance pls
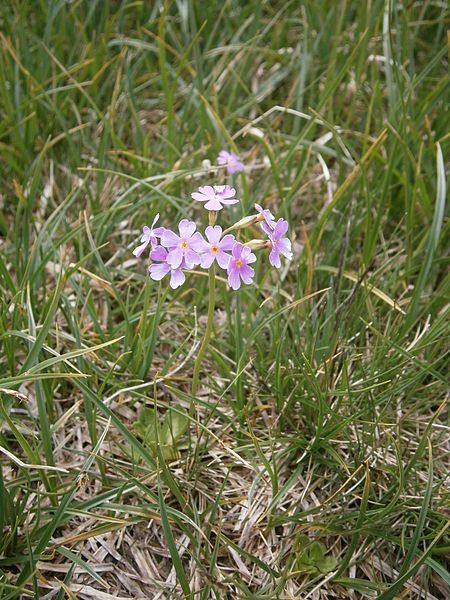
(313, 461)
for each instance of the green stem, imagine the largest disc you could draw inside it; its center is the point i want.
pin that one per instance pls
(208, 330)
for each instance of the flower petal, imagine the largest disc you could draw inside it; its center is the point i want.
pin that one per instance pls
(233, 278)
(227, 192)
(230, 201)
(266, 228)
(146, 231)
(169, 239)
(158, 271)
(186, 228)
(159, 231)
(237, 250)
(247, 255)
(274, 258)
(197, 243)
(281, 228)
(159, 253)
(191, 258)
(207, 190)
(284, 246)
(175, 257)
(223, 157)
(213, 234)
(223, 260)
(140, 249)
(227, 242)
(247, 274)
(177, 278)
(206, 260)
(213, 204)
(155, 220)
(199, 197)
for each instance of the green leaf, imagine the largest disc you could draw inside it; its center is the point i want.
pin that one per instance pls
(176, 559)
(327, 564)
(145, 426)
(175, 425)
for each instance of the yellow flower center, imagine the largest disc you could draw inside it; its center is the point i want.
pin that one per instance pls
(214, 249)
(239, 263)
(184, 244)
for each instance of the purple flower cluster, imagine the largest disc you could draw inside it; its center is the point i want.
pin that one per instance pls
(174, 253)
(231, 160)
(275, 231)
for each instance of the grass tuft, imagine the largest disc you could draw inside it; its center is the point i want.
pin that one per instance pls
(313, 460)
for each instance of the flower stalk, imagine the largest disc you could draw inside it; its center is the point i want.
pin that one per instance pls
(208, 330)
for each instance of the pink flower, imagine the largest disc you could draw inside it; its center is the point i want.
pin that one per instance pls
(183, 247)
(215, 196)
(268, 223)
(238, 267)
(214, 248)
(280, 244)
(162, 268)
(149, 236)
(232, 161)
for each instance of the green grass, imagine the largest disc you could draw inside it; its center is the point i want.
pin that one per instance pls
(315, 460)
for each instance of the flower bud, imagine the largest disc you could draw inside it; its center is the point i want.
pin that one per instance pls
(257, 244)
(242, 223)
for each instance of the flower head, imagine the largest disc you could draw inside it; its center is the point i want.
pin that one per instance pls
(280, 244)
(183, 247)
(149, 236)
(231, 159)
(214, 248)
(266, 218)
(162, 268)
(238, 267)
(215, 196)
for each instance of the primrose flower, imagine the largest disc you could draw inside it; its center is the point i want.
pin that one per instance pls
(231, 159)
(215, 248)
(267, 220)
(280, 244)
(183, 248)
(162, 268)
(149, 236)
(215, 196)
(238, 267)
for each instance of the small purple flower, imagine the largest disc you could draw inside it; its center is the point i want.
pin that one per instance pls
(268, 222)
(231, 159)
(238, 267)
(280, 244)
(162, 268)
(149, 236)
(215, 196)
(183, 247)
(215, 248)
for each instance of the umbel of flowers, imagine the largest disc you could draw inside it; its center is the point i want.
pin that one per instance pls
(173, 253)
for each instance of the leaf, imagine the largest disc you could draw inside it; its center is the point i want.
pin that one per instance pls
(176, 558)
(317, 552)
(422, 516)
(175, 425)
(327, 565)
(312, 557)
(145, 426)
